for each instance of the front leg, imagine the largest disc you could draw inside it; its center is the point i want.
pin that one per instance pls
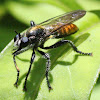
(64, 42)
(17, 52)
(16, 83)
(14, 55)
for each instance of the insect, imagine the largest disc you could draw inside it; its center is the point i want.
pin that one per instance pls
(56, 27)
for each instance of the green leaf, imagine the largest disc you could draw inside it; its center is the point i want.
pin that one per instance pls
(72, 75)
(36, 11)
(71, 4)
(2, 9)
(76, 79)
(89, 4)
(96, 91)
(7, 29)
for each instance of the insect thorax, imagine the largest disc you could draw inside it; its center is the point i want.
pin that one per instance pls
(36, 35)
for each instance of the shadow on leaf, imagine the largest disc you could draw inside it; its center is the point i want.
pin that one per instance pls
(38, 70)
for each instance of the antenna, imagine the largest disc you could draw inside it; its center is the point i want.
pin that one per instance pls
(17, 34)
(15, 31)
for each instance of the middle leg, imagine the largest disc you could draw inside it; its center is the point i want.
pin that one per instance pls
(47, 67)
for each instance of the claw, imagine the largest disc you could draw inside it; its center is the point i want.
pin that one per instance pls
(16, 85)
(50, 88)
(24, 89)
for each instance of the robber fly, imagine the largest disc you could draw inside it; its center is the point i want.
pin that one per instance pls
(56, 27)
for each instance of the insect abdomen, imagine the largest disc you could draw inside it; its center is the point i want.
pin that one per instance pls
(67, 30)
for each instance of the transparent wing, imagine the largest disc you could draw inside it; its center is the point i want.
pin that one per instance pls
(64, 19)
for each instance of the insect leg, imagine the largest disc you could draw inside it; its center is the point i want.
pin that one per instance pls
(47, 67)
(17, 71)
(31, 61)
(14, 55)
(17, 52)
(63, 42)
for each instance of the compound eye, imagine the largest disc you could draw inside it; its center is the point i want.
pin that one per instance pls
(16, 37)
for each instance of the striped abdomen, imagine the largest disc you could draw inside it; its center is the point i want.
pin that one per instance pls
(67, 30)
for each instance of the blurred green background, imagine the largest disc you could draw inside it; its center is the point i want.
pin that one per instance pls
(17, 14)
